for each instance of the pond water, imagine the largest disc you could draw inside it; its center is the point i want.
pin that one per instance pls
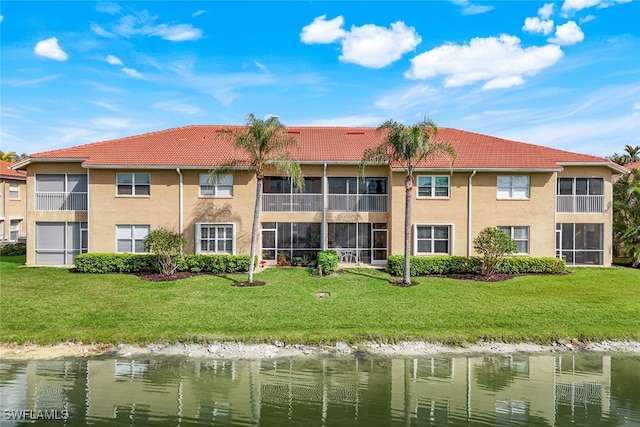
(480, 390)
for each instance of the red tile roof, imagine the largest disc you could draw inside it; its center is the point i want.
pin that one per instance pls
(206, 145)
(634, 165)
(7, 173)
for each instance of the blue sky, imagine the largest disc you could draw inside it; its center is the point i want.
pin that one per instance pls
(562, 74)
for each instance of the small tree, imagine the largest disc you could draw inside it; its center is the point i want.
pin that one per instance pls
(493, 245)
(168, 246)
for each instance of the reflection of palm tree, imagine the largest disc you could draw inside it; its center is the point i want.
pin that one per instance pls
(494, 374)
(265, 143)
(407, 146)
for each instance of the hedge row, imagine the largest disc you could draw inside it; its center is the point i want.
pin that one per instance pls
(425, 265)
(139, 263)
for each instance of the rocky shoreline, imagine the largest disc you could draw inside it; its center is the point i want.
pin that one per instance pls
(237, 350)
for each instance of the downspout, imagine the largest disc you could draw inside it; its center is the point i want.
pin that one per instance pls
(325, 230)
(469, 201)
(4, 210)
(180, 202)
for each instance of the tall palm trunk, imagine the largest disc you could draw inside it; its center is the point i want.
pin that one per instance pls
(408, 185)
(256, 224)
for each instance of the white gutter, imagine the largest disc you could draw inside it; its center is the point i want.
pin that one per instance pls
(180, 202)
(4, 213)
(469, 200)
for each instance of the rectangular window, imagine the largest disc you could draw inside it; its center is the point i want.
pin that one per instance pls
(580, 243)
(133, 184)
(580, 195)
(14, 191)
(433, 186)
(61, 192)
(216, 185)
(130, 238)
(513, 187)
(432, 239)
(14, 229)
(520, 235)
(215, 238)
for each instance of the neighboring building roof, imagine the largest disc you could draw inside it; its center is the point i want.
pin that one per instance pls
(6, 173)
(634, 165)
(207, 145)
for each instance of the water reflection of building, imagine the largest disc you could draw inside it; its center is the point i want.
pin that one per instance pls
(495, 389)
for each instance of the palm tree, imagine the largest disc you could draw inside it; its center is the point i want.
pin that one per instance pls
(265, 143)
(626, 215)
(633, 153)
(9, 156)
(407, 146)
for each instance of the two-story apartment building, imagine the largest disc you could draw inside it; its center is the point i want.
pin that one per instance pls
(106, 197)
(13, 196)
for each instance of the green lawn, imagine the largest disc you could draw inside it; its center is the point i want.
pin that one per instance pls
(49, 305)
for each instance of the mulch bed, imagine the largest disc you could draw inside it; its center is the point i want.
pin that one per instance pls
(159, 277)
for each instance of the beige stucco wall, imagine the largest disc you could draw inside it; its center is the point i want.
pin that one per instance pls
(161, 207)
(15, 209)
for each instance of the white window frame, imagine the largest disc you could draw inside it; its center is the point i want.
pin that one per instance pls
(433, 186)
(450, 239)
(215, 185)
(132, 239)
(133, 184)
(511, 188)
(511, 233)
(14, 188)
(15, 226)
(198, 245)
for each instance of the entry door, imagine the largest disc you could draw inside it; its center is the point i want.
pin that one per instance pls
(379, 239)
(268, 243)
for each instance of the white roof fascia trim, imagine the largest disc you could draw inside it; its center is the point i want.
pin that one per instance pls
(163, 167)
(616, 167)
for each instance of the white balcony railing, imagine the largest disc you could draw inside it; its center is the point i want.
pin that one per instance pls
(358, 202)
(292, 202)
(335, 202)
(60, 201)
(580, 204)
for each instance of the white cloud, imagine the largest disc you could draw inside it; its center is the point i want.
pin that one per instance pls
(49, 48)
(546, 11)
(110, 123)
(570, 6)
(176, 106)
(114, 60)
(1, 18)
(587, 18)
(497, 61)
(177, 33)
(198, 12)
(143, 23)
(369, 45)
(536, 25)
(108, 7)
(260, 65)
(472, 9)
(567, 34)
(323, 31)
(101, 31)
(26, 81)
(105, 105)
(406, 98)
(376, 47)
(131, 72)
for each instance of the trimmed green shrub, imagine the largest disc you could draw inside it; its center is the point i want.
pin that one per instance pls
(441, 264)
(14, 249)
(426, 265)
(139, 263)
(493, 245)
(115, 263)
(215, 264)
(327, 262)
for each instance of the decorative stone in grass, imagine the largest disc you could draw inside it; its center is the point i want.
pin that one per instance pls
(322, 294)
